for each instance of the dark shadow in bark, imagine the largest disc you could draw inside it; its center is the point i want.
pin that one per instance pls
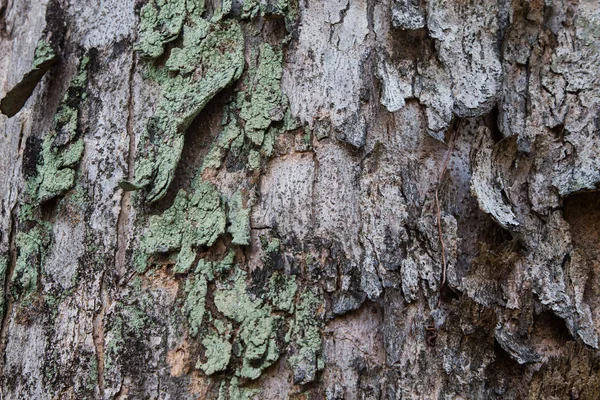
(582, 213)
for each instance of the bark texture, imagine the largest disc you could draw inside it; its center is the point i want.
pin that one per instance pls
(341, 199)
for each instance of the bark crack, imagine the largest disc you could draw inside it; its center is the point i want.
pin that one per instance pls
(8, 300)
(98, 333)
(437, 201)
(125, 207)
(120, 256)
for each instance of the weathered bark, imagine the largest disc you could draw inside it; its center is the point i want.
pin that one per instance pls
(345, 199)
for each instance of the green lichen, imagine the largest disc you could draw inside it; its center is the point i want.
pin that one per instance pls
(195, 219)
(282, 291)
(222, 11)
(307, 135)
(265, 98)
(195, 302)
(206, 268)
(218, 151)
(235, 391)
(267, 8)
(211, 58)
(256, 341)
(271, 249)
(32, 247)
(259, 337)
(160, 23)
(126, 323)
(218, 354)
(92, 377)
(225, 265)
(238, 393)
(269, 142)
(195, 8)
(52, 302)
(234, 302)
(43, 53)
(114, 343)
(261, 109)
(250, 9)
(305, 337)
(289, 122)
(270, 246)
(185, 258)
(185, 59)
(237, 328)
(136, 319)
(61, 149)
(239, 220)
(253, 160)
(56, 174)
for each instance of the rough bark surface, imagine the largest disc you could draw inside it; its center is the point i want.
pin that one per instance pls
(341, 199)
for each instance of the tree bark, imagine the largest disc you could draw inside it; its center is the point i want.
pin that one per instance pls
(342, 199)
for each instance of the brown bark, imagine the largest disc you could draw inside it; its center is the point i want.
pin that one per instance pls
(299, 199)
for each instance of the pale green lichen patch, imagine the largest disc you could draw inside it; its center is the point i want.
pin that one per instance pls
(160, 23)
(253, 160)
(305, 337)
(239, 325)
(242, 333)
(256, 340)
(218, 353)
(211, 58)
(259, 338)
(185, 59)
(195, 8)
(195, 219)
(269, 141)
(32, 247)
(235, 392)
(272, 252)
(44, 53)
(195, 302)
(282, 291)
(264, 104)
(56, 174)
(260, 111)
(222, 11)
(225, 265)
(230, 132)
(235, 302)
(268, 8)
(251, 9)
(239, 220)
(61, 148)
(205, 268)
(185, 258)
(125, 324)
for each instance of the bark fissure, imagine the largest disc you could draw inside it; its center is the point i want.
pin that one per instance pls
(98, 334)
(125, 206)
(8, 299)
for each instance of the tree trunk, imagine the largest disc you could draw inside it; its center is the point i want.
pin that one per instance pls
(270, 199)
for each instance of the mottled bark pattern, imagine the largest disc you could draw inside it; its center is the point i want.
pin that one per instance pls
(269, 199)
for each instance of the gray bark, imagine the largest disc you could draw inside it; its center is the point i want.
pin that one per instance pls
(346, 199)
